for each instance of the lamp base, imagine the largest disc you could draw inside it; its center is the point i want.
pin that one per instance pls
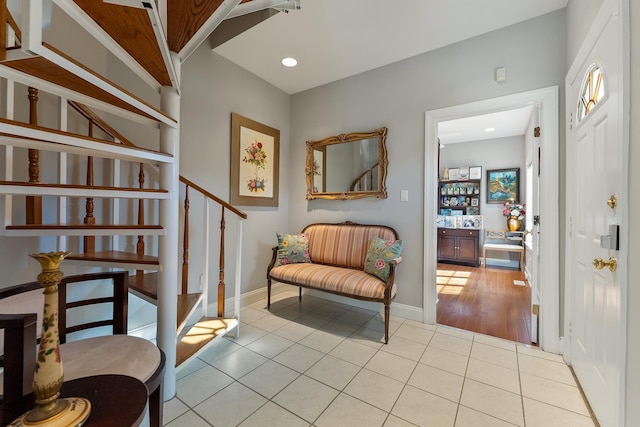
(74, 413)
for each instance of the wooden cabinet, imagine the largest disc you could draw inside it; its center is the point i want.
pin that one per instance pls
(459, 196)
(459, 246)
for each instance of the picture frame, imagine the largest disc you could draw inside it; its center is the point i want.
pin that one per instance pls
(463, 173)
(453, 174)
(475, 201)
(255, 157)
(475, 172)
(503, 185)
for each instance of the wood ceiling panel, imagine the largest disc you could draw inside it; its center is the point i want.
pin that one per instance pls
(132, 29)
(184, 19)
(46, 70)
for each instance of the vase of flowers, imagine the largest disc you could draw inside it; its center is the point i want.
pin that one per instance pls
(514, 211)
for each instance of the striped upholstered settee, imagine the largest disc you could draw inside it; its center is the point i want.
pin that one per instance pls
(348, 259)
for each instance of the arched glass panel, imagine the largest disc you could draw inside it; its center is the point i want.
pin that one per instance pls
(592, 91)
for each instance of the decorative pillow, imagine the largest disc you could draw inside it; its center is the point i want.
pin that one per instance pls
(292, 248)
(379, 254)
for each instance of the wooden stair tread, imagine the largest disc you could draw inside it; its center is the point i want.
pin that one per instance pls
(83, 227)
(81, 186)
(186, 305)
(146, 285)
(116, 256)
(205, 331)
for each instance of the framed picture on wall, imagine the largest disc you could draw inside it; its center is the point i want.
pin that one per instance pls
(475, 172)
(503, 185)
(255, 153)
(453, 174)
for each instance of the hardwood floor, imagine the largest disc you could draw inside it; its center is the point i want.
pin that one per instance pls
(485, 301)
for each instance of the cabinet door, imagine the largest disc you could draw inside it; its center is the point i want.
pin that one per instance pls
(468, 249)
(447, 247)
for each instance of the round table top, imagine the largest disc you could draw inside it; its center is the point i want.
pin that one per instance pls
(116, 400)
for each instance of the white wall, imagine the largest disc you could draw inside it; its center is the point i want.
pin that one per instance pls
(396, 96)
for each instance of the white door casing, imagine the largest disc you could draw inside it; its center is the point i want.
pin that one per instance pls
(547, 100)
(596, 170)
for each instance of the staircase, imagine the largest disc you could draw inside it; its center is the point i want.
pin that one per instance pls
(112, 202)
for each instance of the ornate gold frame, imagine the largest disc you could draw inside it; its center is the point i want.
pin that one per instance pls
(381, 134)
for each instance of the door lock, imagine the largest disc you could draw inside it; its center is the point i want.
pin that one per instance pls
(613, 201)
(599, 263)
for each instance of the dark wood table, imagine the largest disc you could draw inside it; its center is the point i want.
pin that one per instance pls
(116, 400)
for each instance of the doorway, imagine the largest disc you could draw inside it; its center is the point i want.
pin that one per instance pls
(546, 101)
(495, 300)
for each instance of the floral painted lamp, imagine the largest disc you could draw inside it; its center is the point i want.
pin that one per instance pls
(47, 381)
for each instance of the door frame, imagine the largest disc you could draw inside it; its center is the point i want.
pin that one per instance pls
(548, 101)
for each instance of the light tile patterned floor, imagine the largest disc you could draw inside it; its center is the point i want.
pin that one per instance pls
(321, 363)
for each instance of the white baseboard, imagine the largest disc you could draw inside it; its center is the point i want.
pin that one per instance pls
(501, 263)
(399, 310)
(147, 332)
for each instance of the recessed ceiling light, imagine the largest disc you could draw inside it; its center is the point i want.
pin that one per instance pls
(289, 62)
(489, 129)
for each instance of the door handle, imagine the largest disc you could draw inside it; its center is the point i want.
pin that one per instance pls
(525, 233)
(599, 263)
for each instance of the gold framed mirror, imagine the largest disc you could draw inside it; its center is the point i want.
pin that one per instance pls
(347, 166)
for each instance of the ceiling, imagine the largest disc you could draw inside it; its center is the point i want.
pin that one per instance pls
(476, 128)
(335, 39)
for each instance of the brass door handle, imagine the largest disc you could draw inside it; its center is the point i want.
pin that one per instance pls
(599, 263)
(525, 233)
(613, 201)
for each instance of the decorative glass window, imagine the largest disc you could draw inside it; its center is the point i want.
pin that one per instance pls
(592, 91)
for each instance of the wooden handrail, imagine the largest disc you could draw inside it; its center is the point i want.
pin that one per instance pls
(106, 128)
(100, 123)
(6, 18)
(362, 175)
(212, 197)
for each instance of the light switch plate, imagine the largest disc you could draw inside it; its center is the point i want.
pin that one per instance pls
(404, 195)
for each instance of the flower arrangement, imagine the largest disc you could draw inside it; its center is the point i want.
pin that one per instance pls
(513, 209)
(255, 155)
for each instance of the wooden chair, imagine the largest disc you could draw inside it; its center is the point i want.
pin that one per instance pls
(116, 353)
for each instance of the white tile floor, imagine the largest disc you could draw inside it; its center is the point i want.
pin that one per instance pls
(321, 363)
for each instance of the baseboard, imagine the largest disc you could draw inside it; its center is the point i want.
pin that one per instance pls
(147, 332)
(494, 262)
(399, 310)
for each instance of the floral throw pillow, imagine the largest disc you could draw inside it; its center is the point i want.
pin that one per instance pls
(379, 254)
(292, 248)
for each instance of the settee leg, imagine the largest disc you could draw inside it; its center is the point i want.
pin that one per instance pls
(299, 293)
(268, 293)
(386, 323)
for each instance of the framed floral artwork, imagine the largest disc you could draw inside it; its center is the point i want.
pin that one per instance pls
(255, 153)
(502, 185)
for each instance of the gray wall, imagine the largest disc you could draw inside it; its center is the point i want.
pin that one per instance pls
(213, 88)
(500, 153)
(397, 96)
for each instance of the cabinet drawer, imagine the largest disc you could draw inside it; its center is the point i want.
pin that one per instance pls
(458, 232)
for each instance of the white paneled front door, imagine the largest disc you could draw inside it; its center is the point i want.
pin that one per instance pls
(595, 179)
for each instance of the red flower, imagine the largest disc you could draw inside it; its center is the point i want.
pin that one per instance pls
(259, 144)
